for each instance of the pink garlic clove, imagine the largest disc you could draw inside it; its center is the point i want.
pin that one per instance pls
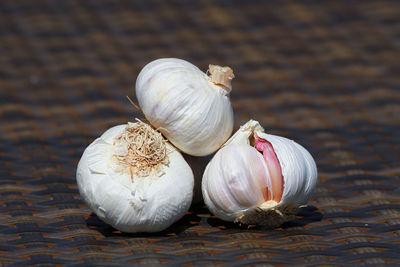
(274, 167)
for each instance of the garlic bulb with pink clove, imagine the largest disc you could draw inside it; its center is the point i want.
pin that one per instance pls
(258, 178)
(190, 108)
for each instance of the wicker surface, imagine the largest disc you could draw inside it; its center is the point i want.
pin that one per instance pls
(325, 74)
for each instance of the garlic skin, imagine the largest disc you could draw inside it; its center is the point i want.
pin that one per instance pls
(127, 201)
(191, 109)
(243, 185)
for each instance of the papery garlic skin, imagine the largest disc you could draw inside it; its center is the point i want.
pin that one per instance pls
(184, 104)
(237, 185)
(131, 203)
(233, 181)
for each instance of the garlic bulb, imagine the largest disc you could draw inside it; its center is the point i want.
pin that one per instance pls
(258, 178)
(191, 109)
(134, 180)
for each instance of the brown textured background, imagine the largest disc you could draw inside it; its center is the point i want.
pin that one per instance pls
(325, 74)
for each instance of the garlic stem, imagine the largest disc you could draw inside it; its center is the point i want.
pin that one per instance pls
(274, 167)
(221, 76)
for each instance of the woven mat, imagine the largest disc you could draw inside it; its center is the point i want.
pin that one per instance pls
(324, 73)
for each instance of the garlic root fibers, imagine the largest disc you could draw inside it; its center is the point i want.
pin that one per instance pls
(140, 149)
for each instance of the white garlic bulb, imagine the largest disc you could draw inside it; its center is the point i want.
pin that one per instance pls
(258, 178)
(134, 180)
(190, 108)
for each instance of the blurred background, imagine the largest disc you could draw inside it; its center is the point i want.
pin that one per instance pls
(324, 73)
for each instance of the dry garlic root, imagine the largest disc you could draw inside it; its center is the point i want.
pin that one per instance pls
(134, 180)
(258, 178)
(191, 109)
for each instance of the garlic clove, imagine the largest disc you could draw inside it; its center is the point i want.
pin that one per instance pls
(126, 200)
(230, 186)
(191, 109)
(298, 169)
(273, 166)
(285, 171)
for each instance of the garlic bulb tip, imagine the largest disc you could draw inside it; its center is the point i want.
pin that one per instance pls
(221, 76)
